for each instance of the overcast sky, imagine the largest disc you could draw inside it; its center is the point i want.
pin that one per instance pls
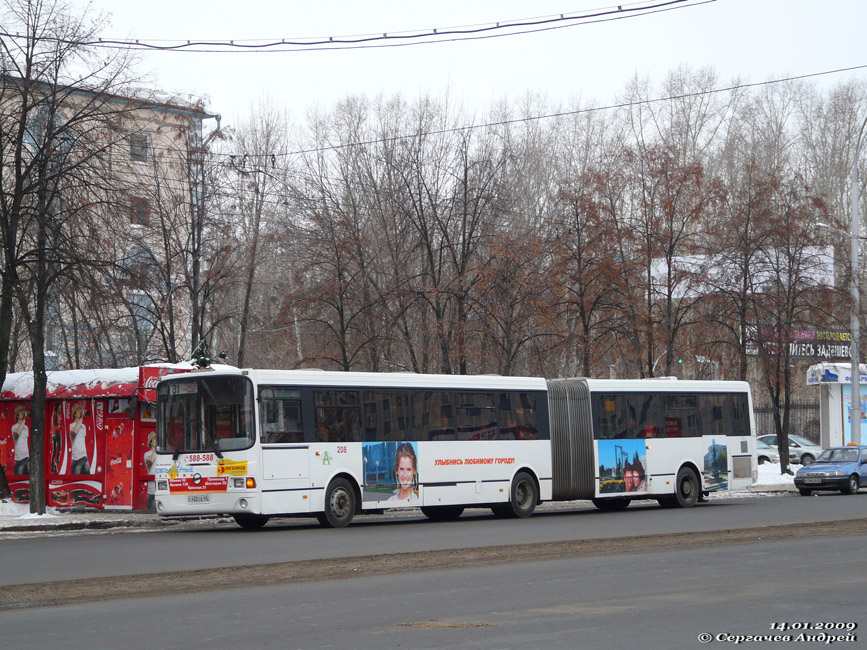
(754, 40)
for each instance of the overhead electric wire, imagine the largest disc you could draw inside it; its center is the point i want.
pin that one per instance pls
(395, 39)
(534, 118)
(458, 129)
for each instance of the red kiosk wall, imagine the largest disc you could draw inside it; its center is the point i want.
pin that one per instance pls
(145, 455)
(118, 453)
(75, 453)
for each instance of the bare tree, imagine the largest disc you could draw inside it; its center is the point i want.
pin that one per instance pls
(59, 109)
(785, 293)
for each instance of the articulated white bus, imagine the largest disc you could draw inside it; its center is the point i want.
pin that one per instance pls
(257, 444)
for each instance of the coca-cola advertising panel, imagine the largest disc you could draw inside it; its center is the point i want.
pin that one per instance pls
(118, 455)
(76, 446)
(15, 448)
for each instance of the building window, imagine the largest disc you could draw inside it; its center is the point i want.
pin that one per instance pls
(140, 211)
(138, 148)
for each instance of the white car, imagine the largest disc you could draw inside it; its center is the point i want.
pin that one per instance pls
(801, 450)
(765, 453)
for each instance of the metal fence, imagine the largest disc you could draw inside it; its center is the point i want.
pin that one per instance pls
(803, 420)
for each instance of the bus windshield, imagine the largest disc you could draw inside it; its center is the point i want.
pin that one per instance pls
(205, 414)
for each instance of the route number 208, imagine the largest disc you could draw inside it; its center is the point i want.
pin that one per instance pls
(341, 449)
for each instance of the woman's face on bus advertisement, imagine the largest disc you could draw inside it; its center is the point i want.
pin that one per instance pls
(405, 471)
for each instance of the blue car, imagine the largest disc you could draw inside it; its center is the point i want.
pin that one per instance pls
(836, 468)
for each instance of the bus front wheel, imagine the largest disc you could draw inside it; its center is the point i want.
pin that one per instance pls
(340, 504)
(686, 489)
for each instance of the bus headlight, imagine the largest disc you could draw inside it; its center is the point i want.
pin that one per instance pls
(162, 485)
(238, 482)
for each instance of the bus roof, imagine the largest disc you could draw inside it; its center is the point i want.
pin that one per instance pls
(334, 378)
(663, 385)
(313, 377)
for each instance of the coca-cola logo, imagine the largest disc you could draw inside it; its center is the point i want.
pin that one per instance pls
(100, 407)
(117, 460)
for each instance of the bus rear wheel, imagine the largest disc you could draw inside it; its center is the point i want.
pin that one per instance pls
(250, 521)
(686, 489)
(612, 503)
(442, 513)
(340, 504)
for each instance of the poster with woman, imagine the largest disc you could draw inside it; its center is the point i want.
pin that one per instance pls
(77, 435)
(15, 439)
(55, 439)
(391, 473)
(622, 466)
(7, 446)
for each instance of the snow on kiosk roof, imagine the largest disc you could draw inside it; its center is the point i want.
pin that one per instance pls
(72, 384)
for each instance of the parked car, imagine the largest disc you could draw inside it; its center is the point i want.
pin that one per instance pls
(765, 453)
(836, 468)
(801, 450)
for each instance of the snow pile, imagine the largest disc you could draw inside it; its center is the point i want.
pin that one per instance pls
(22, 511)
(769, 474)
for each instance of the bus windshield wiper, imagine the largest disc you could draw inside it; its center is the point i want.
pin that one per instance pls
(215, 447)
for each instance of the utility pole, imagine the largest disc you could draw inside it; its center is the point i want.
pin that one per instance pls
(855, 290)
(197, 217)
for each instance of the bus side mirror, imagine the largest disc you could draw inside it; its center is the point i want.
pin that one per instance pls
(133, 407)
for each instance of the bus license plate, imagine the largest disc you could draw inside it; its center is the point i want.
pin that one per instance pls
(198, 498)
(812, 481)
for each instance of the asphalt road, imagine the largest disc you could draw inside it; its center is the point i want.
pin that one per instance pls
(68, 556)
(648, 600)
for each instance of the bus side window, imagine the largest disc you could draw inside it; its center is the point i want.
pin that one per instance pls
(610, 416)
(433, 416)
(281, 416)
(386, 417)
(477, 417)
(682, 417)
(740, 415)
(338, 415)
(645, 415)
(517, 416)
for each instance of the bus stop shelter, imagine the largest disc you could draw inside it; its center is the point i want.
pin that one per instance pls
(834, 382)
